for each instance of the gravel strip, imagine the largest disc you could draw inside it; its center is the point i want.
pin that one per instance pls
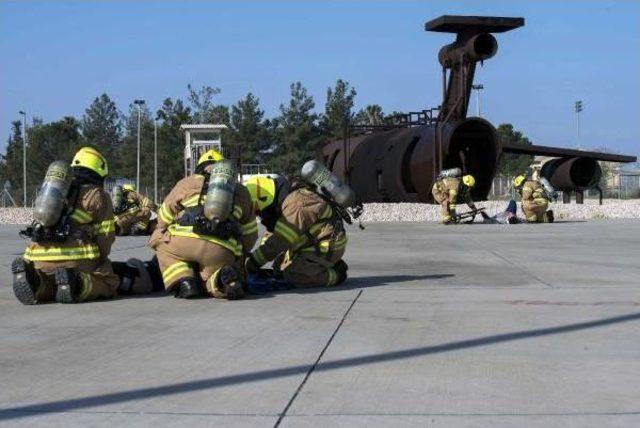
(610, 209)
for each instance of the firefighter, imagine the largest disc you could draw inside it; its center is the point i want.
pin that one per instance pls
(132, 211)
(535, 200)
(72, 233)
(450, 191)
(205, 225)
(306, 239)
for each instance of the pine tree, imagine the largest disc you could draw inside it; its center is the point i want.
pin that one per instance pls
(296, 132)
(102, 125)
(338, 116)
(509, 164)
(247, 129)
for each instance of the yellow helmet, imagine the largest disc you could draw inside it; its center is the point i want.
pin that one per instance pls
(469, 181)
(129, 187)
(262, 190)
(517, 182)
(210, 156)
(89, 158)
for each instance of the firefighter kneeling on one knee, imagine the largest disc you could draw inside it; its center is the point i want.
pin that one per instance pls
(72, 233)
(535, 199)
(204, 226)
(305, 238)
(132, 211)
(449, 192)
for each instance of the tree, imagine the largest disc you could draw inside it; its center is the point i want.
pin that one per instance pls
(371, 115)
(247, 131)
(12, 161)
(296, 132)
(338, 116)
(203, 106)
(124, 164)
(511, 165)
(102, 125)
(172, 114)
(50, 142)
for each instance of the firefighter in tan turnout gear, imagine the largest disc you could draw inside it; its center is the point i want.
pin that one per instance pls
(306, 239)
(72, 233)
(449, 190)
(535, 199)
(205, 225)
(132, 211)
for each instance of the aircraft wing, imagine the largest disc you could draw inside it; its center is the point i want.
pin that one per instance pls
(521, 149)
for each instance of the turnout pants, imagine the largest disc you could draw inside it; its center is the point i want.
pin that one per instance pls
(179, 257)
(97, 279)
(534, 210)
(307, 269)
(446, 210)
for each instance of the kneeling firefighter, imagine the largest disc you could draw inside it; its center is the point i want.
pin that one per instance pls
(72, 234)
(306, 238)
(132, 211)
(449, 190)
(204, 226)
(535, 195)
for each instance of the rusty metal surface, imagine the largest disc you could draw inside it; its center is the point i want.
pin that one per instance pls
(399, 162)
(458, 24)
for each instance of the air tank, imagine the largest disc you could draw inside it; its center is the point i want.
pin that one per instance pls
(221, 191)
(315, 173)
(53, 194)
(117, 196)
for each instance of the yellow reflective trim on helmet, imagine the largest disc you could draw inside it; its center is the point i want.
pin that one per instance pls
(82, 252)
(187, 232)
(519, 180)
(129, 187)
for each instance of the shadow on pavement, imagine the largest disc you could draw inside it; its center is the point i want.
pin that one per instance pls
(366, 282)
(25, 411)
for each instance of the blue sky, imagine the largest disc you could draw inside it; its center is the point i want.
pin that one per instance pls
(57, 56)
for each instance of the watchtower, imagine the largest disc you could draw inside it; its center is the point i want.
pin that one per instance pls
(198, 138)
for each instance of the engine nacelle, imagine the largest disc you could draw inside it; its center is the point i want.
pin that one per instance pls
(569, 174)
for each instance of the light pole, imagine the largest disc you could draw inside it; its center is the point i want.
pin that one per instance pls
(479, 87)
(24, 157)
(578, 109)
(155, 161)
(139, 103)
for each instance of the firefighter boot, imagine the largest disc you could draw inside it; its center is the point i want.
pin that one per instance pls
(68, 285)
(341, 269)
(228, 284)
(134, 277)
(549, 216)
(188, 288)
(25, 281)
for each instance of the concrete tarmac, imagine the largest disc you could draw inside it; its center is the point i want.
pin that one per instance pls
(467, 326)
